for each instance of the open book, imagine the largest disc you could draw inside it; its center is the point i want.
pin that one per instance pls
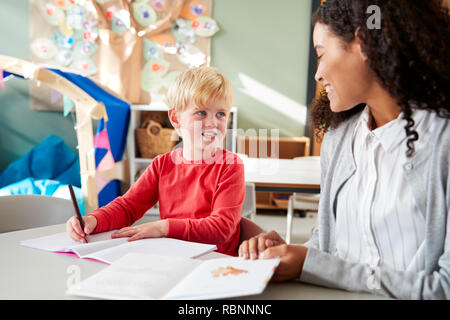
(146, 276)
(104, 249)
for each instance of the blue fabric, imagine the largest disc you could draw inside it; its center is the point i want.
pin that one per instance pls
(45, 187)
(109, 193)
(52, 159)
(118, 112)
(5, 74)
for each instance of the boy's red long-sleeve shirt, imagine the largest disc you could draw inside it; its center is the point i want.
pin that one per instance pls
(201, 201)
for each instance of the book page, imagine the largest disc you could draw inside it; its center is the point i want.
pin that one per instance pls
(61, 242)
(136, 276)
(154, 246)
(224, 278)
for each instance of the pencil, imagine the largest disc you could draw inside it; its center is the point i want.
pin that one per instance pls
(77, 210)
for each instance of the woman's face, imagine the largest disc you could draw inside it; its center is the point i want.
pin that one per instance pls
(342, 69)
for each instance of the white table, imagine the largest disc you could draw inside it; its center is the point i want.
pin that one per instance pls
(27, 273)
(283, 175)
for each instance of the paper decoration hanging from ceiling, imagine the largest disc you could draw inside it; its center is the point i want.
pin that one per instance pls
(53, 15)
(84, 49)
(183, 31)
(153, 73)
(158, 5)
(205, 26)
(64, 57)
(170, 37)
(191, 56)
(144, 14)
(193, 10)
(121, 21)
(43, 48)
(63, 34)
(152, 50)
(166, 43)
(115, 41)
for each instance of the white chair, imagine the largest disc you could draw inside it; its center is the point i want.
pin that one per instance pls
(249, 206)
(18, 212)
(301, 201)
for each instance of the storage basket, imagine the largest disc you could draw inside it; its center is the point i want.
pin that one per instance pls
(154, 139)
(157, 116)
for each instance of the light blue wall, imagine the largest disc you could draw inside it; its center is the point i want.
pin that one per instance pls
(265, 45)
(262, 48)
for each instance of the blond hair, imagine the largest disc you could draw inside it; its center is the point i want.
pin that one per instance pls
(199, 85)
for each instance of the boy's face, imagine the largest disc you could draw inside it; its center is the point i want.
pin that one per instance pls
(202, 129)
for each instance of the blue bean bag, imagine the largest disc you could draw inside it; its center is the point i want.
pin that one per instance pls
(52, 159)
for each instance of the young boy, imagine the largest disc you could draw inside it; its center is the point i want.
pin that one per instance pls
(200, 187)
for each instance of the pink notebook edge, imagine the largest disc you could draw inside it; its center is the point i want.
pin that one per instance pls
(73, 254)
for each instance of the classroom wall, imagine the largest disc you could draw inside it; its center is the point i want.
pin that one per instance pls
(262, 48)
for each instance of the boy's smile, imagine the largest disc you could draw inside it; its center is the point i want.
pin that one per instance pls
(209, 135)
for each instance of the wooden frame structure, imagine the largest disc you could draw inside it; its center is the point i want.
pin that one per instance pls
(86, 109)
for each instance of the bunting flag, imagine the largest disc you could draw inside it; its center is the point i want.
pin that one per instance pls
(107, 162)
(101, 140)
(54, 96)
(101, 182)
(68, 105)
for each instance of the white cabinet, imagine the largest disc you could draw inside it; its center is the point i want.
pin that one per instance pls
(137, 164)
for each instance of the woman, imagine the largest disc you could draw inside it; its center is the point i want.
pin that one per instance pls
(385, 158)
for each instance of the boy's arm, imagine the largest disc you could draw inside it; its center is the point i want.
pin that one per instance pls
(125, 210)
(225, 215)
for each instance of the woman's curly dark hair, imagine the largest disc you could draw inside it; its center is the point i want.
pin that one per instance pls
(409, 56)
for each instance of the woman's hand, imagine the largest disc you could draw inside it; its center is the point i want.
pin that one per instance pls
(74, 230)
(155, 229)
(292, 258)
(270, 245)
(257, 244)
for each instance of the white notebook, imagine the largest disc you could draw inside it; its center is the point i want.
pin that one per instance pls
(147, 276)
(104, 249)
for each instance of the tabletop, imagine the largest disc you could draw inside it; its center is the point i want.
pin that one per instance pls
(283, 175)
(27, 273)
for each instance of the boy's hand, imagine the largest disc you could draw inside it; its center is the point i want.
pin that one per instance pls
(74, 231)
(155, 229)
(254, 246)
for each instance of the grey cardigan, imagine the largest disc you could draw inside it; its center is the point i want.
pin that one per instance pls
(428, 174)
